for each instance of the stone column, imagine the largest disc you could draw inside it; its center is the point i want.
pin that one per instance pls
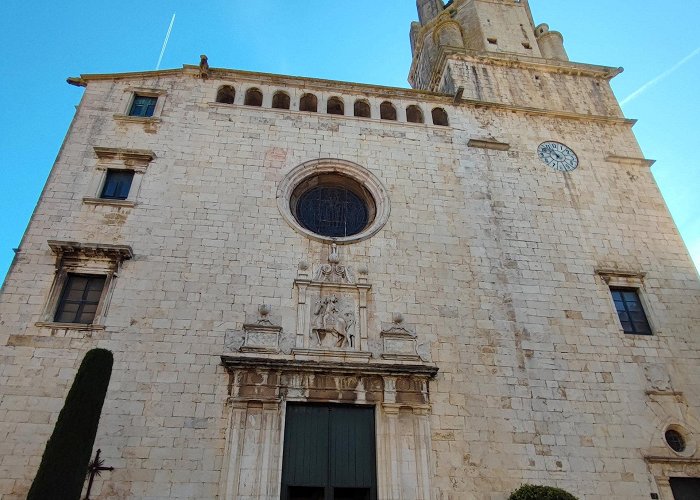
(254, 450)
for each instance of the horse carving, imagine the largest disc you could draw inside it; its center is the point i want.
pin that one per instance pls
(331, 327)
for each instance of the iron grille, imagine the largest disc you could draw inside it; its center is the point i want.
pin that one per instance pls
(332, 211)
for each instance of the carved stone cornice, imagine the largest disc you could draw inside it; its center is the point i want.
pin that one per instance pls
(608, 275)
(288, 364)
(117, 253)
(141, 155)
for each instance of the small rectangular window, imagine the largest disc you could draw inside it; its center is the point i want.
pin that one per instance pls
(79, 299)
(143, 106)
(630, 311)
(117, 184)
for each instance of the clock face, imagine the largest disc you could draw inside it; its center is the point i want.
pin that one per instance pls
(558, 156)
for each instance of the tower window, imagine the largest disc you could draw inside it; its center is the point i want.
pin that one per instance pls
(387, 111)
(280, 100)
(79, 299)
(308, 102)
(440, 117)
(335, 106)
(630, 311)
(226, 94)
(117, 184)
(143, 106)
(414, 114)
(253, 97)
(362, 109)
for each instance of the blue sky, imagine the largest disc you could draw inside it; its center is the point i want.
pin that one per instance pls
(43, 42)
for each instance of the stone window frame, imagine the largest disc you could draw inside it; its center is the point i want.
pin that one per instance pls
(128, 100)
(135, 160)
(83, 259)
(330, 166)
(633, 281)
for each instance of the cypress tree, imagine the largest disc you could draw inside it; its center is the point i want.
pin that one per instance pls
(66, 458)
(532, 492)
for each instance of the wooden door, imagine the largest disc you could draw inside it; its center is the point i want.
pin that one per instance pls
(329, 453)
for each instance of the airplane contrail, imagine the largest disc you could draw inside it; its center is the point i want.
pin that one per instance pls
(662, 76)
(165, 42)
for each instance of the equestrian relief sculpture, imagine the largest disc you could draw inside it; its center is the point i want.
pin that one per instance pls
(333, 326)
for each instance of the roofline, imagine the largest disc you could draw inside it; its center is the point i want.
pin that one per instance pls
(84, 79)
(301, 81)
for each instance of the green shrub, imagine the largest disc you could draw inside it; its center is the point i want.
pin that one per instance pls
(65, 461)
(532, 492)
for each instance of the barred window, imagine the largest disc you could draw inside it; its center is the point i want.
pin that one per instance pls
(332, 205)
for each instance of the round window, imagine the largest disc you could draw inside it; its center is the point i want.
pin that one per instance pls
(675, 440)
(333, 211)
(333, 200)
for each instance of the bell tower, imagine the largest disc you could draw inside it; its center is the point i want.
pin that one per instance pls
(494, 51)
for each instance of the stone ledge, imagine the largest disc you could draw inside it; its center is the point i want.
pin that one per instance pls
(136, 119)
(113, 203)
(287, 364)
(68, 326)
(488, 144)
(655, 459)
(628, 160)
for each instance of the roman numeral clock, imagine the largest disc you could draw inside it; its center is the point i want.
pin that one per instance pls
(557, 156)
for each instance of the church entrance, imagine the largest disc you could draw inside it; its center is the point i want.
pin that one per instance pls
(685, 488)
(329, 453)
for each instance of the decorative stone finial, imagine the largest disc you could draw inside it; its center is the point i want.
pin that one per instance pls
(363, 270)
(303, 266)
(264, 310)
(397, 318)
(334, 258)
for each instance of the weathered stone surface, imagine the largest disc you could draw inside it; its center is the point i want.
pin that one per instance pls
(492, 257)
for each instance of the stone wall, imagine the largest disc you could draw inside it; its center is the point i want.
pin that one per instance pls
(490, 255)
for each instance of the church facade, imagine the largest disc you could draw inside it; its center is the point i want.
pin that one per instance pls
(327, 290)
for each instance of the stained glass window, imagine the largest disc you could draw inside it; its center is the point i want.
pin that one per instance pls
(333, 211)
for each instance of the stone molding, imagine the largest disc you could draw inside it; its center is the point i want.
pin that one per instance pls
(116, 253)
(488, 144)
(324, 166)
(142, 156)
(629, 160)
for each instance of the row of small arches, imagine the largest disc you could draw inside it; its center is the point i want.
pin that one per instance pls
(335, 105)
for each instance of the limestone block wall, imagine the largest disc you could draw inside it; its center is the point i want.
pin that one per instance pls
(530, 87)
(491, 255)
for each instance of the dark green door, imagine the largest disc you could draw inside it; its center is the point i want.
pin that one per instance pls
(685, 488)
(329, 453)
